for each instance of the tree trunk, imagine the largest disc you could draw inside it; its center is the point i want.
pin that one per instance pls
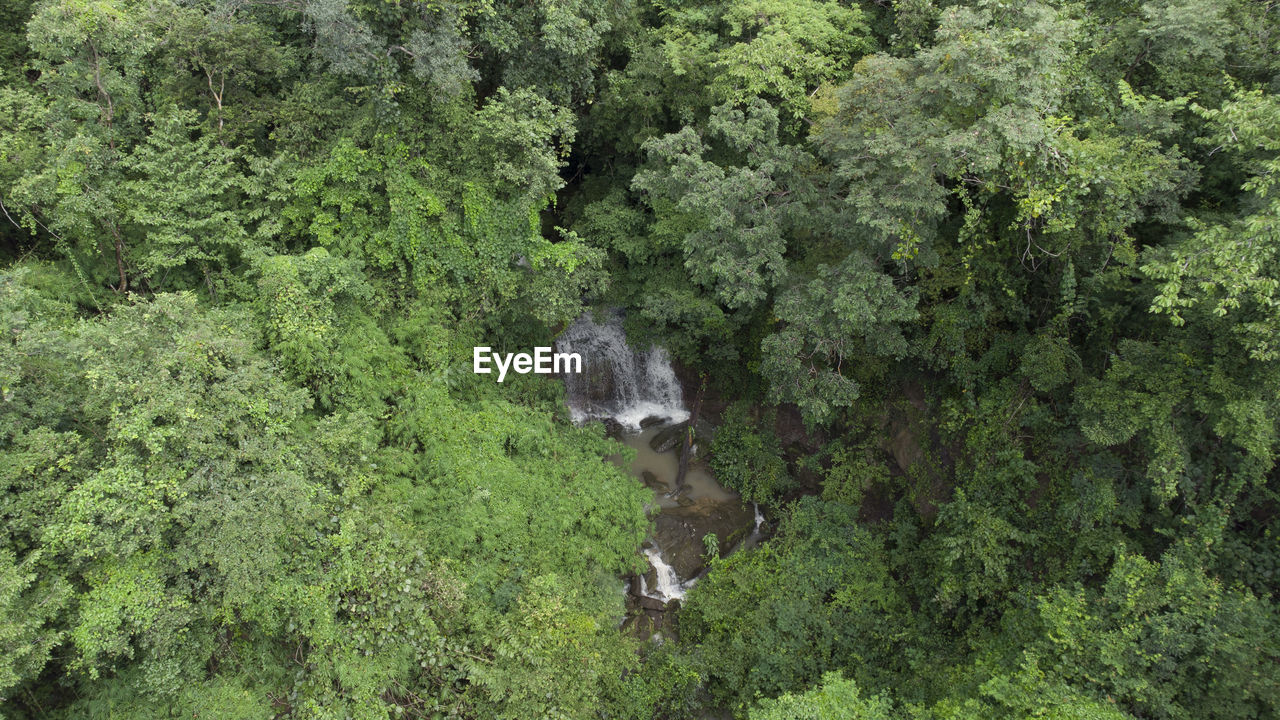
(119, 247)
(688, 438)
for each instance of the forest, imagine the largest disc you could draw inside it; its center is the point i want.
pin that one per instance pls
(979, 302)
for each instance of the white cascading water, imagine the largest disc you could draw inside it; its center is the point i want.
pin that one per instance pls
(753, 539)
(627, 386)
(618, 382)
(669, 586)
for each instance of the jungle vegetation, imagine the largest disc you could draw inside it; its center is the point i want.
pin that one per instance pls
(1015, 266)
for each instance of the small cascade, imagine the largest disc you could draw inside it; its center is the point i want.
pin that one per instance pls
(616, 381)
(753, 539)
(626, 385)
(669, 586)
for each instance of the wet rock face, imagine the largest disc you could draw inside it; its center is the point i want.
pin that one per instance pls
(656, 625)
(648, 603)
(670, 438)
(613, 429)
(652, 482)
(618, 381)
(913, 441)
(650, 579)
(679, 531)
(648, 618)
(600, 384)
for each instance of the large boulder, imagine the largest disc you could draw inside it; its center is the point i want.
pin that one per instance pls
(648, 603)
(631, 597)
(652, 482)
(669, 438)
(678, 531)
(672, 438)
(613, 428)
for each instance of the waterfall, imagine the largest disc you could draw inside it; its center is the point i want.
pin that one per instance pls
(625, 385)
(616, 381)
(752, 540)
(669, 585)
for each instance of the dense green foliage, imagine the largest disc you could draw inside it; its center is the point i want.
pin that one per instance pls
(748, 458)
(992, 290)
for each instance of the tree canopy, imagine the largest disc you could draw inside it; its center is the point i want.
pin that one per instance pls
(986, 295)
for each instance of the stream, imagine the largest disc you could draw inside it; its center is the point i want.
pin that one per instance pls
(616, 382)
(637, 394)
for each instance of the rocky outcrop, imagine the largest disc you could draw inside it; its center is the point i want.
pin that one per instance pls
(913, 441)
(679, 531)
(669, 438)
(648, 618)
(655, 625)
(652, 482)
(672, 438)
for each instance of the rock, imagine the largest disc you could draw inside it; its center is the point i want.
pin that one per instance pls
(652, 482)
(704, 432)
(640, 626)
(663, 623)
(657, 619)
(904, 447)
(679, 531)
(669, 438)
(613, 428)
(601, 386)
(651, 421)
(631, 598)
(648, 603)
(650, 580)
(912, 439)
